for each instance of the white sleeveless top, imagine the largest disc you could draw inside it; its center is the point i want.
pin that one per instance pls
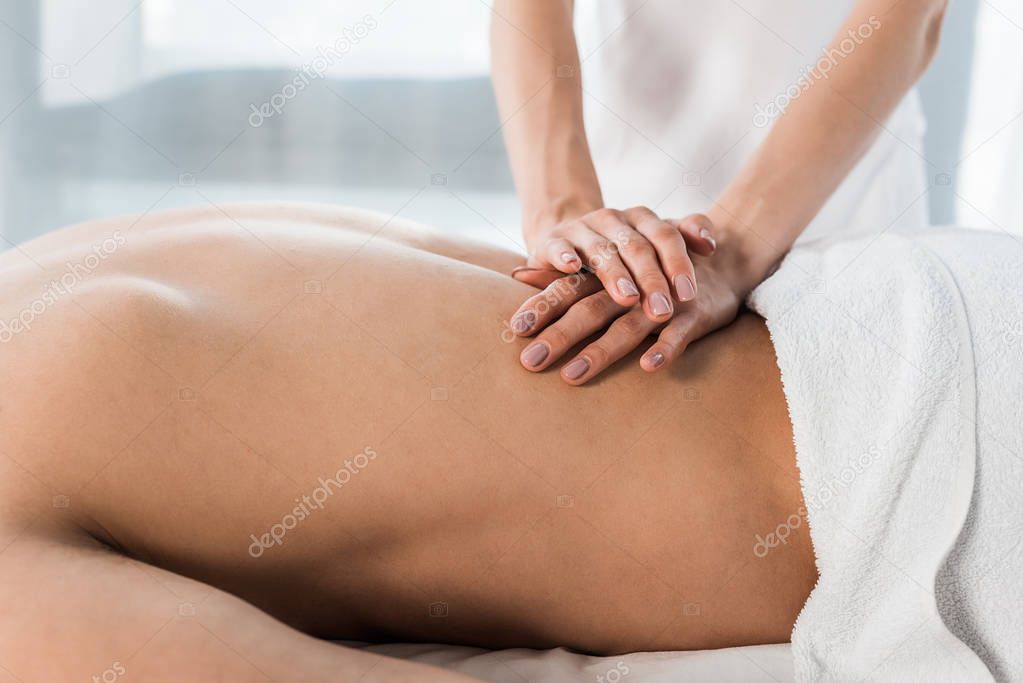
(679, 93)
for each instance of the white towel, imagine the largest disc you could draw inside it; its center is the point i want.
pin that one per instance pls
(902, 363)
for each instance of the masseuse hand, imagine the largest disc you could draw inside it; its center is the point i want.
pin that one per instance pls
(572, 308)
(637, 256)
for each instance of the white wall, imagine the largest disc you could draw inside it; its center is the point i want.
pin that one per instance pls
(161, 90)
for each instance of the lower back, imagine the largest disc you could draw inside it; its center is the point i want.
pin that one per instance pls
(245, 374)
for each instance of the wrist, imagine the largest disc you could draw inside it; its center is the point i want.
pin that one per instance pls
(537, 221)
(744, 257)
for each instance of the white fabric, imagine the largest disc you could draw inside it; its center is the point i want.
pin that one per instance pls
(757, 664)
(991, 170)
(902, 363)
(672, 98)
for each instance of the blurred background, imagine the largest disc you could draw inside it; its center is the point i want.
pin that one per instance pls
(127, 106)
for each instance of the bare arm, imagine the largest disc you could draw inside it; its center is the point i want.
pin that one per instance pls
(75, 611)
(813, 146)
(536, 78)
(823, 133)
(638, 257)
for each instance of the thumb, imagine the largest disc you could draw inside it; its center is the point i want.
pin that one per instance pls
(698, 232)
(537, 277)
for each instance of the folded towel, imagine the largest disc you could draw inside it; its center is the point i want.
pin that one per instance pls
(902, 364)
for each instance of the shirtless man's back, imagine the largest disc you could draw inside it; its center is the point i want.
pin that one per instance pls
(306, 411)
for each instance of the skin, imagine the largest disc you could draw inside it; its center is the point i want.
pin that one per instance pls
(204, 375)
(810, 150)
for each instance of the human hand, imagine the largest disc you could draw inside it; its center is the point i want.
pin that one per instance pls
(572, 308)
(634, 255)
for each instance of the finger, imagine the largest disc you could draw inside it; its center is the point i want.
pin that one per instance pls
(580, 321)
(560, 254)
(640, 258)
(671, 343)
(698, 231)
(672, 254)
(601, 255)
(539, 310)
(624, 335)
(537, 277)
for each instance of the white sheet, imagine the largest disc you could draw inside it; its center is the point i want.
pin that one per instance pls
(902, 368)
(755, 664)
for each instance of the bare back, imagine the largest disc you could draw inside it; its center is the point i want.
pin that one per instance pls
(324, 416)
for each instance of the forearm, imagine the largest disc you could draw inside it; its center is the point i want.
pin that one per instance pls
(536, 76)
(75, 611)
(824, 132)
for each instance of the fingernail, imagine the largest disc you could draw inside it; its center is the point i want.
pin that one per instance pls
(705, 234)
(569, 257)
(577, 368)
(659, 304)
(626, 287)
(684, 288)
(523, 322)
(535, 354)
(655, 359)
